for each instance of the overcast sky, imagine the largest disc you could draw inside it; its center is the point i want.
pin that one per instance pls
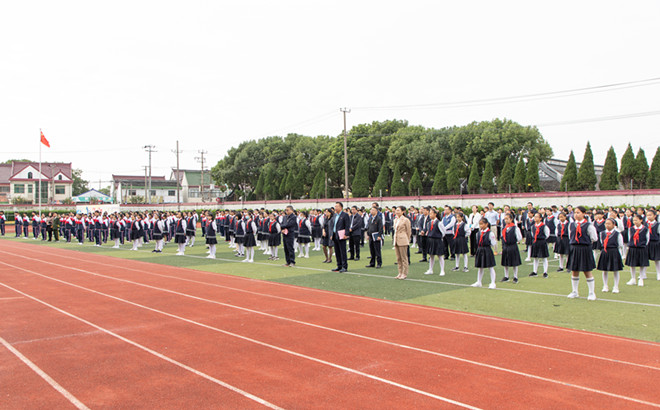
(104, 79)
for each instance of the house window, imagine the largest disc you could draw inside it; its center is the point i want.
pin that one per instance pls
(60, 189)
(59, 177)
(132, 192)
(152, 192)
(19, 188)
(171, 192)
(29, 175)
(29, 188)
(4, 189)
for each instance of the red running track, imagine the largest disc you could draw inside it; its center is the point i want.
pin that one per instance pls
(121, 333)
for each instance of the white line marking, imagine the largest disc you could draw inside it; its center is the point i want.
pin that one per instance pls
(391, 302)
(337, 366)
(12, 298)
(494, 367)
(146, 349)
(44, 375)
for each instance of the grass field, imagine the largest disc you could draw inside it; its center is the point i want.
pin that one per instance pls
(632, 313)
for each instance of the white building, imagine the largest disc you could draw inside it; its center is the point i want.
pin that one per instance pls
(19, 182)
(127, 188)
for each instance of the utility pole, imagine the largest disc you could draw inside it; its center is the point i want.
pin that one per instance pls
(146, 167)
(149, 149)
(344, 111)
(201, 159)
(178, 181)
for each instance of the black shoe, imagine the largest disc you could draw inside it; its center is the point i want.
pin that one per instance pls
(370, 266)
(335, 270)
(342, 270)
(378, 266)
(504, 279)
(454, 269)
(357, 259)
(531, 275)
(545, 275)
(154, 251)
(515, 280)
(560, 270)
(424, 260)
(351, 258)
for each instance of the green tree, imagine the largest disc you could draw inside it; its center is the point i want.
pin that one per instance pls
(487, 178)
(569, 179)
(654, 174)
(318, 188)
(440, 181)
(271, 184)
(586, 179)
(627, 170)
(641, 169)
(453, 175)
(283, 188)
(398, 187)
(80, 185)
(415, 184)
(259, 189)
(505, 180)
(532, 179)
(361, 184)
(474, 181)
(609, 180)
(520, 175)
(381, 187)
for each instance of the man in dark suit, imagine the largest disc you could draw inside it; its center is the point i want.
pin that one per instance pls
(341, 224)
(355, 234)
(288, 226)
(375, 232)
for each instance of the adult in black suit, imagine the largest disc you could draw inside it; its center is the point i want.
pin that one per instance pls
(355, 234)
(288, 225)
(340, 226)
(375, 231)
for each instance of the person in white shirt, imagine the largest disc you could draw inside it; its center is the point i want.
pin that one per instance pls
(473, 224)
(485, 258)
(611, 255)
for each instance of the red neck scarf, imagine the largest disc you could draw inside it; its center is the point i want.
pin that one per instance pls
(506, 230)
(578, 230)
(456, 233)
(607, 238)
(636, 235)
(481, 237)
(538, 229)
(563, 225)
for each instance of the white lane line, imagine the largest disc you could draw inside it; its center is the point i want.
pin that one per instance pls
(12, 298)
(499, 339)
(64, 392)
(494, 367)
(146, 349)
(396, 303)
(260, 343)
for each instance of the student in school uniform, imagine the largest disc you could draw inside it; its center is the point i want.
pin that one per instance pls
(304, 234)
(413, 216)
(435, 245)
(627, 221)
(540, 233)
(3, 220)
(599, 224)
(511, 235)
(551, 222)
(355, 234)
(239, 234)
(180, 233)
(461, 233)
(326, 239)
(18, 224)
(610, 259)
(562, 246)
(274, 239)
(528, 222)
(249, 228)
(654, 239)
(485, 258)
(115, 231)
(135, 230)
(35, 225)
(210, 232)
(581, 235)
(449, 221)
(317, 228)
(638, 255)
(473, 224)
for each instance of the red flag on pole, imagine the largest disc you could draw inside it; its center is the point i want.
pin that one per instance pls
(44, 140)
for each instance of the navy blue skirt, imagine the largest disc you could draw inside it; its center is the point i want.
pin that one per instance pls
(435, 246)
(610, 261)
(562, 246)
(511, 255)
(461, 245)
(654, 250)
(249, 241)
(540, 249)
(484, 257)
(274, 239)
(637, 257)
(581, 259)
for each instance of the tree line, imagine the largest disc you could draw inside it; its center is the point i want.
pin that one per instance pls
(393, 158)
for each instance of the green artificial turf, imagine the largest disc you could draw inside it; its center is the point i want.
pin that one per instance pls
(633, 313)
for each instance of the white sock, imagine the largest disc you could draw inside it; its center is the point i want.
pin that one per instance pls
(458, 261)
(493, 275)
(480, 275)
(441, 259)
(561, 261)
(529, 252)
(275, 249)
(506, 271)
(515, 272)
(633, 272)
(465, 261)
(307, 250)
(536, 265)
(605, 278)
(431, 263)
(616, 279)
(575, 282)
(642, 272)
(657, 268)
(545, 265)
(590, 284)
(192, 240)
(212, 249)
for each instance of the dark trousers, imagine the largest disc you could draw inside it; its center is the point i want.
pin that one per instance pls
(2, 229)
(56, 234)
(35, 231)
(49, 230)
(97, 236)
(421, 241)
(26, 230)
(43, 233)
(340, 253)
(473, 241)
(354, 247)
(80, 234)
(289, 253)
(18, 229)
(376, 254)
(449, 245)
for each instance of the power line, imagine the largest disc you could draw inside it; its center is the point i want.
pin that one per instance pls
(523, 97)
(598, 119)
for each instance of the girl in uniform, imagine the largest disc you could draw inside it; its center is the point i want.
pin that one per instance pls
(239, 233)
(529, 235)
(249, 242)
(317, 230)
(136, 231)
(654, 240)
(304, 234)
(180, 233)
(191, 223)
(461, 234)
(484, 258)
(562, 245)
(551, 223)
(638, 255)
(610, 259)
(327, 235)
(159, 230)
(435, 246)
(18, 224)
(211, 230)
(581, 257)
(511, 235)
(114, 230)
(540, 233)
(627, 221)
(599, 224)
(274, 238)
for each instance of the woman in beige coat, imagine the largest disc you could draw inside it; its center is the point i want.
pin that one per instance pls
(402, 234)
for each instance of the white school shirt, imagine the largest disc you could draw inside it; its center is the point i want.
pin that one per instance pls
(546, 231)
(473, 220)
(591, 231)
(619, 240)
(491, 235)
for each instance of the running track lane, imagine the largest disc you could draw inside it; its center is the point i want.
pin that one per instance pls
(337, 295)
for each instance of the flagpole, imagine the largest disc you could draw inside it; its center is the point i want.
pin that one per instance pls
(40, 143)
